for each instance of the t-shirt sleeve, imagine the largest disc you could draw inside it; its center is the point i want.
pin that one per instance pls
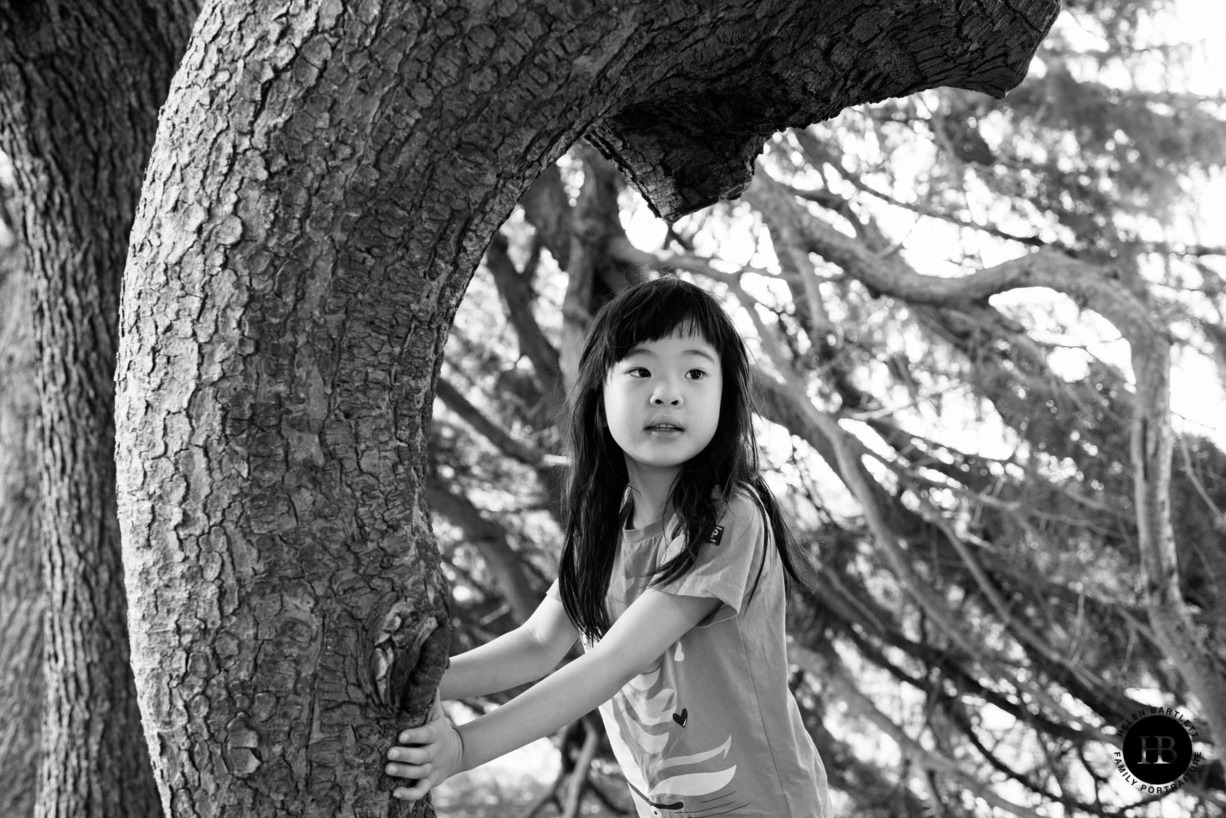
(729, 562)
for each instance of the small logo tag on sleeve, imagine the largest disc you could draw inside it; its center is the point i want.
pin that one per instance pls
(716, 535)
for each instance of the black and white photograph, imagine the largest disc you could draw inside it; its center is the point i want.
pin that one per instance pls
(607, 408)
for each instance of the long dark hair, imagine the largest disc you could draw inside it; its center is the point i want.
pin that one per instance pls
(596, 486)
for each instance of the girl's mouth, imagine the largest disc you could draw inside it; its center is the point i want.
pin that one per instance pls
(664, 427)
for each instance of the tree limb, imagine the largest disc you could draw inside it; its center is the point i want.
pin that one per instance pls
(833, 672)
(498, 436)
(490, 541)
(517, 296)
(1189, 646)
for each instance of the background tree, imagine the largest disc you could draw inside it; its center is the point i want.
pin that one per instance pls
(324, 183)
(995, 602)
(80, 87)
(21, 588)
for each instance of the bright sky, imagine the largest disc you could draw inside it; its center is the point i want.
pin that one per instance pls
(1192, 392)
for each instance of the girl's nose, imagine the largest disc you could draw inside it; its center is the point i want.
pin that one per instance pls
(664, 396)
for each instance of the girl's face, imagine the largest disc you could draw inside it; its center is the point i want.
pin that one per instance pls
(662, 403)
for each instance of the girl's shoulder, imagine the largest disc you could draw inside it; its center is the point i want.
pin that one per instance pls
(743, 509)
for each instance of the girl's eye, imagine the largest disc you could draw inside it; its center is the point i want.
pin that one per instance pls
(696, 374)
(637, 372)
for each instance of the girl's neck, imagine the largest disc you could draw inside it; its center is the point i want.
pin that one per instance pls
(649, 497)
(641, 514)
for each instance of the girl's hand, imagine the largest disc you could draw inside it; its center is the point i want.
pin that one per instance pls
(431, 754)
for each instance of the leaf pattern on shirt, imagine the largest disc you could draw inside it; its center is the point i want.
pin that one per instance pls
(638, 710)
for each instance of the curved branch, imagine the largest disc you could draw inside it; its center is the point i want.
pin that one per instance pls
(547, 208)
(852, 472)
(1188, 645)
(832, 670)
(517, 296)
(490, 540)
(583, 764)
(819, 154)
(690, 136)
(494, 433)
(968, 684)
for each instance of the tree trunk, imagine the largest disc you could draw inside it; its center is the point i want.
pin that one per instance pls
(324, 183)
(80, 88)
(21, 583)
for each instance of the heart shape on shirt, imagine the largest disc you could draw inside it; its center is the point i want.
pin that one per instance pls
(682, 717)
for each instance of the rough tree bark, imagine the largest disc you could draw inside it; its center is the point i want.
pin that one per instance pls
(324, 183)
(22, 601)
(80, 86)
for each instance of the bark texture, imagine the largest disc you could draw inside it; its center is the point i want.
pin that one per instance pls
(325, 181)
(742, 71)
(22, 601)
(80, 86)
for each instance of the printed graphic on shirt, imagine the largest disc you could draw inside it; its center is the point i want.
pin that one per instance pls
(648, 722)
(717, 534)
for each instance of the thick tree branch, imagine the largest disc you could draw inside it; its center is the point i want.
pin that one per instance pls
(691, 137)
(547, 208)
(319, 213)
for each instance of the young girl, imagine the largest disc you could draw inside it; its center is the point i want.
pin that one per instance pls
(673, 572)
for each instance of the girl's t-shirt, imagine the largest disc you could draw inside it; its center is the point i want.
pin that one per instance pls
(712, 729)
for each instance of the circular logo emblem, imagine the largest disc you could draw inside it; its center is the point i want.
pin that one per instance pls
(1157, 751)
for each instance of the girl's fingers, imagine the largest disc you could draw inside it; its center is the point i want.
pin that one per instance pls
(418, 771)
(413, 793)
(424, 734)
(415, 761)
(413, 755)
(416, 735)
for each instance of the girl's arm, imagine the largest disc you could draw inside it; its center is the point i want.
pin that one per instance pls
(653, 623)
(517, 657)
